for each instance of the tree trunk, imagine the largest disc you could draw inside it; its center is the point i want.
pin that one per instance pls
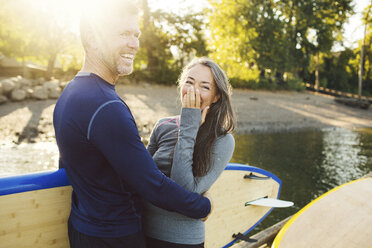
(317, 72)
(368, 72)
(24, 68)
(50, 69)
(148, 36)
(361, 65)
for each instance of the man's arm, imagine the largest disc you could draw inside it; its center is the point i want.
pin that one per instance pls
(115, 134)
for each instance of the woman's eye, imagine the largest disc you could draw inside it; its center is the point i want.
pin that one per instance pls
(206, 87)
(188, 82)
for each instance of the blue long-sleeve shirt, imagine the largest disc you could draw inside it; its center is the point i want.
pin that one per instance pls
(108, 166)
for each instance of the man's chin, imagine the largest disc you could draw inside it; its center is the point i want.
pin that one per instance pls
(125, 71)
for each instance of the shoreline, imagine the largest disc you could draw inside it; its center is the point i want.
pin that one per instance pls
(257, 112)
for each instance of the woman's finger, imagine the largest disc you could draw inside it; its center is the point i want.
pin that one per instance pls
(204, 115)
(184, 101)
(189, 97)
(192, 98)
(197, 98)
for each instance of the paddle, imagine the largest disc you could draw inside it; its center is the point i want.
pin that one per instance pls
(270, 202)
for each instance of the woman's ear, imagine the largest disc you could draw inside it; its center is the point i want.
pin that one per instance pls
(216, 98)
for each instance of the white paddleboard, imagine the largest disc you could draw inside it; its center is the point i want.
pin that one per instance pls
(231, 217)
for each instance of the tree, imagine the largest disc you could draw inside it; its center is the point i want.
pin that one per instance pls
(29, 31)
(274, 34)
(168, 41)
(366, 20)
(15, 38)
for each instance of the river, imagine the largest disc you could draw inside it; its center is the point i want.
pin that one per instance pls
(308, 162)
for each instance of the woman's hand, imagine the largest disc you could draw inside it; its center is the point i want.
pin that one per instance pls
(192, 100)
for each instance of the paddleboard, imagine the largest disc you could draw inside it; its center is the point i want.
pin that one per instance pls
(340, 218)
(232, 217)
(34, 208)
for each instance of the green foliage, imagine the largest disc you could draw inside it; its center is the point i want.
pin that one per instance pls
(261, 44)
(340, 70)
(29, 32)
(273, 36)
(168, 42)
(335, 69)
(294, 83)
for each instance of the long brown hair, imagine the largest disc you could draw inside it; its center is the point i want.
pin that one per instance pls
(220, 119)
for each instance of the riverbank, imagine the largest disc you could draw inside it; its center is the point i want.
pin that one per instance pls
(257, 111)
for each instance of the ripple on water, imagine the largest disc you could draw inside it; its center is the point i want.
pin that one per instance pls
(308, 162)
(27, 158)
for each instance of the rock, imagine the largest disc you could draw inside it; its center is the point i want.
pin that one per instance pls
(40, 93)
(7, 86)
(53, 89)
(29, 92)
(18, 95)
(39, 81)
(3, 99)
(36, 82)
(51, 84)
(54, 93)
(63, 85)
(25, 83)
(17, 82)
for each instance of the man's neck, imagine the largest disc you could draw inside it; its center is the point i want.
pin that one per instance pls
(99, 68)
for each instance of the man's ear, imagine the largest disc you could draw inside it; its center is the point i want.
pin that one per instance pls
(90, 37)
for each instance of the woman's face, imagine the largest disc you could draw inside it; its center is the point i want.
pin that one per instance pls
(200, 77)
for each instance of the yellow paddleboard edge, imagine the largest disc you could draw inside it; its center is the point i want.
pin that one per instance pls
(284, 229)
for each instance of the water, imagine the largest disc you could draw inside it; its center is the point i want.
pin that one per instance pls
(27, 158)
(309, 163)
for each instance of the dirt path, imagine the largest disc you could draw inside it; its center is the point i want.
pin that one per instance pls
(257, 111)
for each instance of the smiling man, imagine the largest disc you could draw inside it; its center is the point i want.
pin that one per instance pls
(108, 166)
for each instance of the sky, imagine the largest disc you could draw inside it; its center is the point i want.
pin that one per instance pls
(354, 29)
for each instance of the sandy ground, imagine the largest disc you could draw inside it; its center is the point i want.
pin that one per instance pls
(257, 111)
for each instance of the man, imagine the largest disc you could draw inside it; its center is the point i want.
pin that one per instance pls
(108, 166)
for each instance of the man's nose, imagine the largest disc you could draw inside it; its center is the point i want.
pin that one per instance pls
(134, 43)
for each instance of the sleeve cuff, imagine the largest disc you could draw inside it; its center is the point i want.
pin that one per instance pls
(190, 117)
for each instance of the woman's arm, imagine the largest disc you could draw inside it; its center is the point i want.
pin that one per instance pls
(183, 154)
(152, 146)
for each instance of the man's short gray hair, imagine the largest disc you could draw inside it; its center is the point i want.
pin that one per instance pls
(96, 16)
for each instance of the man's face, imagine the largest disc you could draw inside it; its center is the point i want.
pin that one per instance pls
(120, 44)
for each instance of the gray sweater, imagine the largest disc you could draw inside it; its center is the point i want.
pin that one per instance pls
(176, 136)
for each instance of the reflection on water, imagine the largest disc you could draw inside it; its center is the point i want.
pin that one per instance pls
(27, 158)
(309, 163)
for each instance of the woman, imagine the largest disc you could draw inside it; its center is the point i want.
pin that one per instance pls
(192, 149)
